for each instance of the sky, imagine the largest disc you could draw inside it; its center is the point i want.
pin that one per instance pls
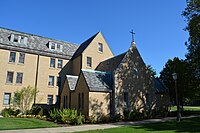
(158, 24)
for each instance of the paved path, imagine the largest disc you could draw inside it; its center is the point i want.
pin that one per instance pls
(87, 127)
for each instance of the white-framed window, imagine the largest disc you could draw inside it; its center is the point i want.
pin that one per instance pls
(19, 78)
(51, 81)
(89, 61)
(55, 46)
(9, 78)
(52, 62)
(6, 99)
(18, 39)
(60, 63)
(12, 57)
(21, 58)
(100, 47)
(50, 99)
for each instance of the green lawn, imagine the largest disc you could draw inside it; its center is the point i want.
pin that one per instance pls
(22, 123)
(187, 125)
(187, 108)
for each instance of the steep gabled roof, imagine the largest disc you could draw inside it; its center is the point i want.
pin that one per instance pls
(159, 86)
(72, 80)
(83, 46)
(111, 64)
(97, 80)
(36, 44)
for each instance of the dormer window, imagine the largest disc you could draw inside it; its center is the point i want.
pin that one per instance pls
(54, 46)
(18, 39)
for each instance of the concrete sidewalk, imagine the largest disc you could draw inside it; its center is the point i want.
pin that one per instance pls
(87, 127)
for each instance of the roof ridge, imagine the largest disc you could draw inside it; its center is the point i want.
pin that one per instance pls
(84, 45)
(95, 71)
(21, 32)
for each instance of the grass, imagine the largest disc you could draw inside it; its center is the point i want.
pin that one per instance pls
(187, 108)
(24, 123)
(187, 125)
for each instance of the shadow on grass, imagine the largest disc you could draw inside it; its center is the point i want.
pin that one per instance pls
(187, 125)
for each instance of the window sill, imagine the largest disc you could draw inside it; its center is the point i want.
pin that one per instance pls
(100, 52)
(21, 64)
(18, 84)
(11, 63)
(53, 68)
(49, 86)
(9, 83)
(88, 67)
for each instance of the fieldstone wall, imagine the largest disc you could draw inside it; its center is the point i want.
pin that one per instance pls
(132, 77)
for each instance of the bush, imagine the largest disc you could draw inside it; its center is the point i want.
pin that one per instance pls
(7, 112)
(67, 116)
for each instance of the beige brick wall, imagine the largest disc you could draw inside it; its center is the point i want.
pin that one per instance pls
(92, 51)
(28, 69)
(99, 103)
(81, 88)
(29, 75)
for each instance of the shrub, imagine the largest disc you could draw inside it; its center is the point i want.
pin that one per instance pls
(7, 112)
(67, 116)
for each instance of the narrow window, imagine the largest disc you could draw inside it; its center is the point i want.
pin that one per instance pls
(53, 46)
(6, 100)
(21, 58)
(50, 99)
(79, 100)
(65, 101)
(82, 100)
(51, 81)
(19, 78)
(12, 56)
(15, 38)
(100, 47)
(58, 81)
(60, 63)
(89, 61)
(52, 62)
(22, 40)
(126, 97)
(9, 78)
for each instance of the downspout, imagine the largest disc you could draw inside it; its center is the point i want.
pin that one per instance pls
(36, 78)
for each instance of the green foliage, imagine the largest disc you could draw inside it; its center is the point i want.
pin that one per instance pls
(23, 98)
(192, 14)
(151, 70)
(133, 115)
(67, 116)
(7, 112)
(183, 80)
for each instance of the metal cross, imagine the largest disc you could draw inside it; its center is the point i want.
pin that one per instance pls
(132, 33)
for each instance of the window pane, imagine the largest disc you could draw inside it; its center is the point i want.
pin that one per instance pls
(9, 78)
(21, 58)
(15, 38)
(100, 47)
(82, 100)
(52, 63)
(50, 99)
(60, 62)
(51, 81)
(52, 45)
(12, 56)
(19, 78)
(89, 62)
(6, 100)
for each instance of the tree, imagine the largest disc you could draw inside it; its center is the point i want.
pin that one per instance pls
(151, 70)
(192, 14)
(23, 99)
(180, 67)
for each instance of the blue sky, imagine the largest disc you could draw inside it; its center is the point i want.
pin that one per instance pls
(158, 24)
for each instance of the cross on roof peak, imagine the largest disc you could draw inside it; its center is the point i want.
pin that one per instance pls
(132, 33)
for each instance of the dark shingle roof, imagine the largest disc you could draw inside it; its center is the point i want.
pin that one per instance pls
(36, 44)
(72, 80)
(159, 86)
(109, 65)
(98, 81)
(83, 46)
